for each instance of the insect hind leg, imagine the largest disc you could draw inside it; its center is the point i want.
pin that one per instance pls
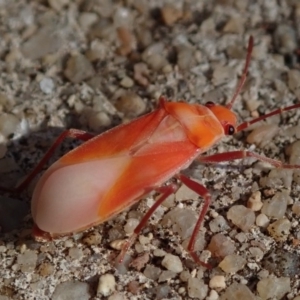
(74, 133)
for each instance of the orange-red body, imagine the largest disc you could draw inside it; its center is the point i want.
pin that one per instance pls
(112, 171)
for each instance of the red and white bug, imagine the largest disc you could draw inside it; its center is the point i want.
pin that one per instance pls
(115, 169)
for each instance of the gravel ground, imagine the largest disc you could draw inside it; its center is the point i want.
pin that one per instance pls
(95, 64)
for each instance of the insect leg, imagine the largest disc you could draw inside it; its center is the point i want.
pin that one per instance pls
(241, 154)
(75, 133)
(204, 193)
(165, 191)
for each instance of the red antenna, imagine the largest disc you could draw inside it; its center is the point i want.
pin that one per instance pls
(244, 75)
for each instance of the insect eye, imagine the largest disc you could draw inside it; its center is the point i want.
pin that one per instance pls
(209, 104)
(229, 129)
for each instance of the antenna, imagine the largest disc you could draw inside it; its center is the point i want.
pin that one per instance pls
(244, 75)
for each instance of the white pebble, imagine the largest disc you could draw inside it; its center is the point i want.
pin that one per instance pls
(276, 207)
(262, 220)
(106, 285)
(197, 288)
(217, 282)
(116, 296)
(254, 202)
(172, 263)
(117, 244)
(213, 295)
(131, 225)
(71, 290)
(273, 288)
(47, 85)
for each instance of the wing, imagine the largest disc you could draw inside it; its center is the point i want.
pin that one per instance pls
(110, 172)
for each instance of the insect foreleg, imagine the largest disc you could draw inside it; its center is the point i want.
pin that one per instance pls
(204, 193)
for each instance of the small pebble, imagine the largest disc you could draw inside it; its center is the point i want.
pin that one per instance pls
(242, 217)
(280, 229)
(127, 40)
(293, 151)
(159, 253)
(262, 220)
(197, 288)
(276, 178)
(78, 68)
(220, 246)
(273, 288)
(185, 58)
(213, 295)
(262, 135)
(156, 62)
(234, 25)
(172, 263)
(282, 263)
(140, 262)
(293, 80)
(131, 104)
(122, 16)
(184, 193)
(116, 296)
(58, 4)
(185, 275)
(170, 14)
(152, 272)
(97, 120)
(106, 285)
(285, 38)
(222, 74)
(182, 220)
(117, 244)
(92, 238)
(131, 225)
(134, 287)
(232, 263)
(46, 41)
(238, 291)
(296, 208)
(87, 19)
(256, 253)
(166, 275)
(27, 261)
(217, 282)
(254, 202)
(241, 237)
(276, 207)
(46, 269)
(71, 290)
(127, 82)
(141, 73)
(162, 291)
(218, 224)
(96, 52)
(9, 124)
(47, 85)
(75, 253)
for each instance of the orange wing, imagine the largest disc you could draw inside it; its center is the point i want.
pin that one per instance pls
(145, 172)
(117, 141)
